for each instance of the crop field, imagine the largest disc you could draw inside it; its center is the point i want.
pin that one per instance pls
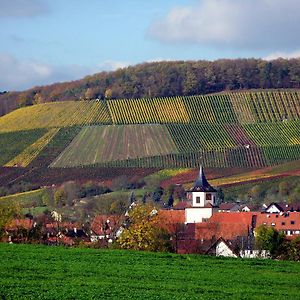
(13, 143)
(41, 272)
(96, 144)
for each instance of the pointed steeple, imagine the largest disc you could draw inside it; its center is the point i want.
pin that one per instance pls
(201, 184)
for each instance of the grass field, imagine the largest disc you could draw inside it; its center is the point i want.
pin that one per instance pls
(41, 272)
(25, 197)
(96, 144)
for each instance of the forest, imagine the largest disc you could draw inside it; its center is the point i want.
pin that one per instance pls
(163, 79)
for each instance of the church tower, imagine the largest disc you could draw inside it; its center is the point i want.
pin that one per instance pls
(204, 199)
(202, 193)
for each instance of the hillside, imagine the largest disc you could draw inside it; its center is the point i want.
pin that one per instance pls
(164, 79)
(29, 272)
(247, 129)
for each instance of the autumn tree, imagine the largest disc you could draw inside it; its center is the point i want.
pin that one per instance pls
(143, 231)
(60, 197)
(7, 212)
(269, 239)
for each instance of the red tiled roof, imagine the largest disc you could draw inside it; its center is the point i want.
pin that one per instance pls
(66, 225)
(171, 220)
(233, 217)
(285, 221)
(227, 225)
(19, 223)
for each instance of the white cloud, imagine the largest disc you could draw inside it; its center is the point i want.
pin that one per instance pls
(287, 55)
(19, 75)
(112, 65)
(245, 24)
(22, 8)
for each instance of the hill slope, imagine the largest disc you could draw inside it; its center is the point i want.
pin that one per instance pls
(164, 79)
(249, 129)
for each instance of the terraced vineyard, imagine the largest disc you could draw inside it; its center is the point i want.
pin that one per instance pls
(222, 130)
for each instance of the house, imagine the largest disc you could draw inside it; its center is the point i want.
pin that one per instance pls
(222, 248)
(286, 222)
(105, 227)
(282, 207)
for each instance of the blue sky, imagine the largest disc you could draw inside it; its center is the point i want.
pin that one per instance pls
(46, 41)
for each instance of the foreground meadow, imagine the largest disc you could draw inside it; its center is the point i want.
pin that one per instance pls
(41, 272)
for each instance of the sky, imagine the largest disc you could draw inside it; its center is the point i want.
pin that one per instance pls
(47, 41)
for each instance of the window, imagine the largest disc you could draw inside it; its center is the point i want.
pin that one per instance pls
(208, 197)
(282, 223)
(197, 199)
(292, 222)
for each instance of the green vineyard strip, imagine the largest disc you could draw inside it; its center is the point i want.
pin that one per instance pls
(31, 152)
(96, 144)
(189, 137)
(274, 134)
(13, 143)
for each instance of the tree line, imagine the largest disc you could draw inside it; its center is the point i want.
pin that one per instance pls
(162, 79)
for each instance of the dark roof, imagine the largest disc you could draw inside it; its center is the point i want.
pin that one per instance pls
(227, 206)
(201, 184)
(285, 207)
(182, 205)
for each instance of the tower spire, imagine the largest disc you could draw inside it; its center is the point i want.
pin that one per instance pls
(201, 183)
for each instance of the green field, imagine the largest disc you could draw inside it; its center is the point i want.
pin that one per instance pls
(96, 144)
(41, 272)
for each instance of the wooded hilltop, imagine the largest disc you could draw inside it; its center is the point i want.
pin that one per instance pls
(162, 79)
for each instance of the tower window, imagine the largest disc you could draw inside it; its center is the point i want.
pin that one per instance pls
(197, 199)
(208, 197)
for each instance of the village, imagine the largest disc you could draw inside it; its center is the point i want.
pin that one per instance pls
(196, 225)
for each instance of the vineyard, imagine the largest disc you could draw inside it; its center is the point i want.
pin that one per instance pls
(96, 144)
(40, 272)
(221, 130)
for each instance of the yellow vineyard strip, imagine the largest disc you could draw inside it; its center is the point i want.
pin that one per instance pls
(57, 114)
(31, 152)
(156, 110)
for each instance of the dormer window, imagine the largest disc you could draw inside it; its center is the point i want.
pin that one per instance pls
(197, 199)
(208, 197)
